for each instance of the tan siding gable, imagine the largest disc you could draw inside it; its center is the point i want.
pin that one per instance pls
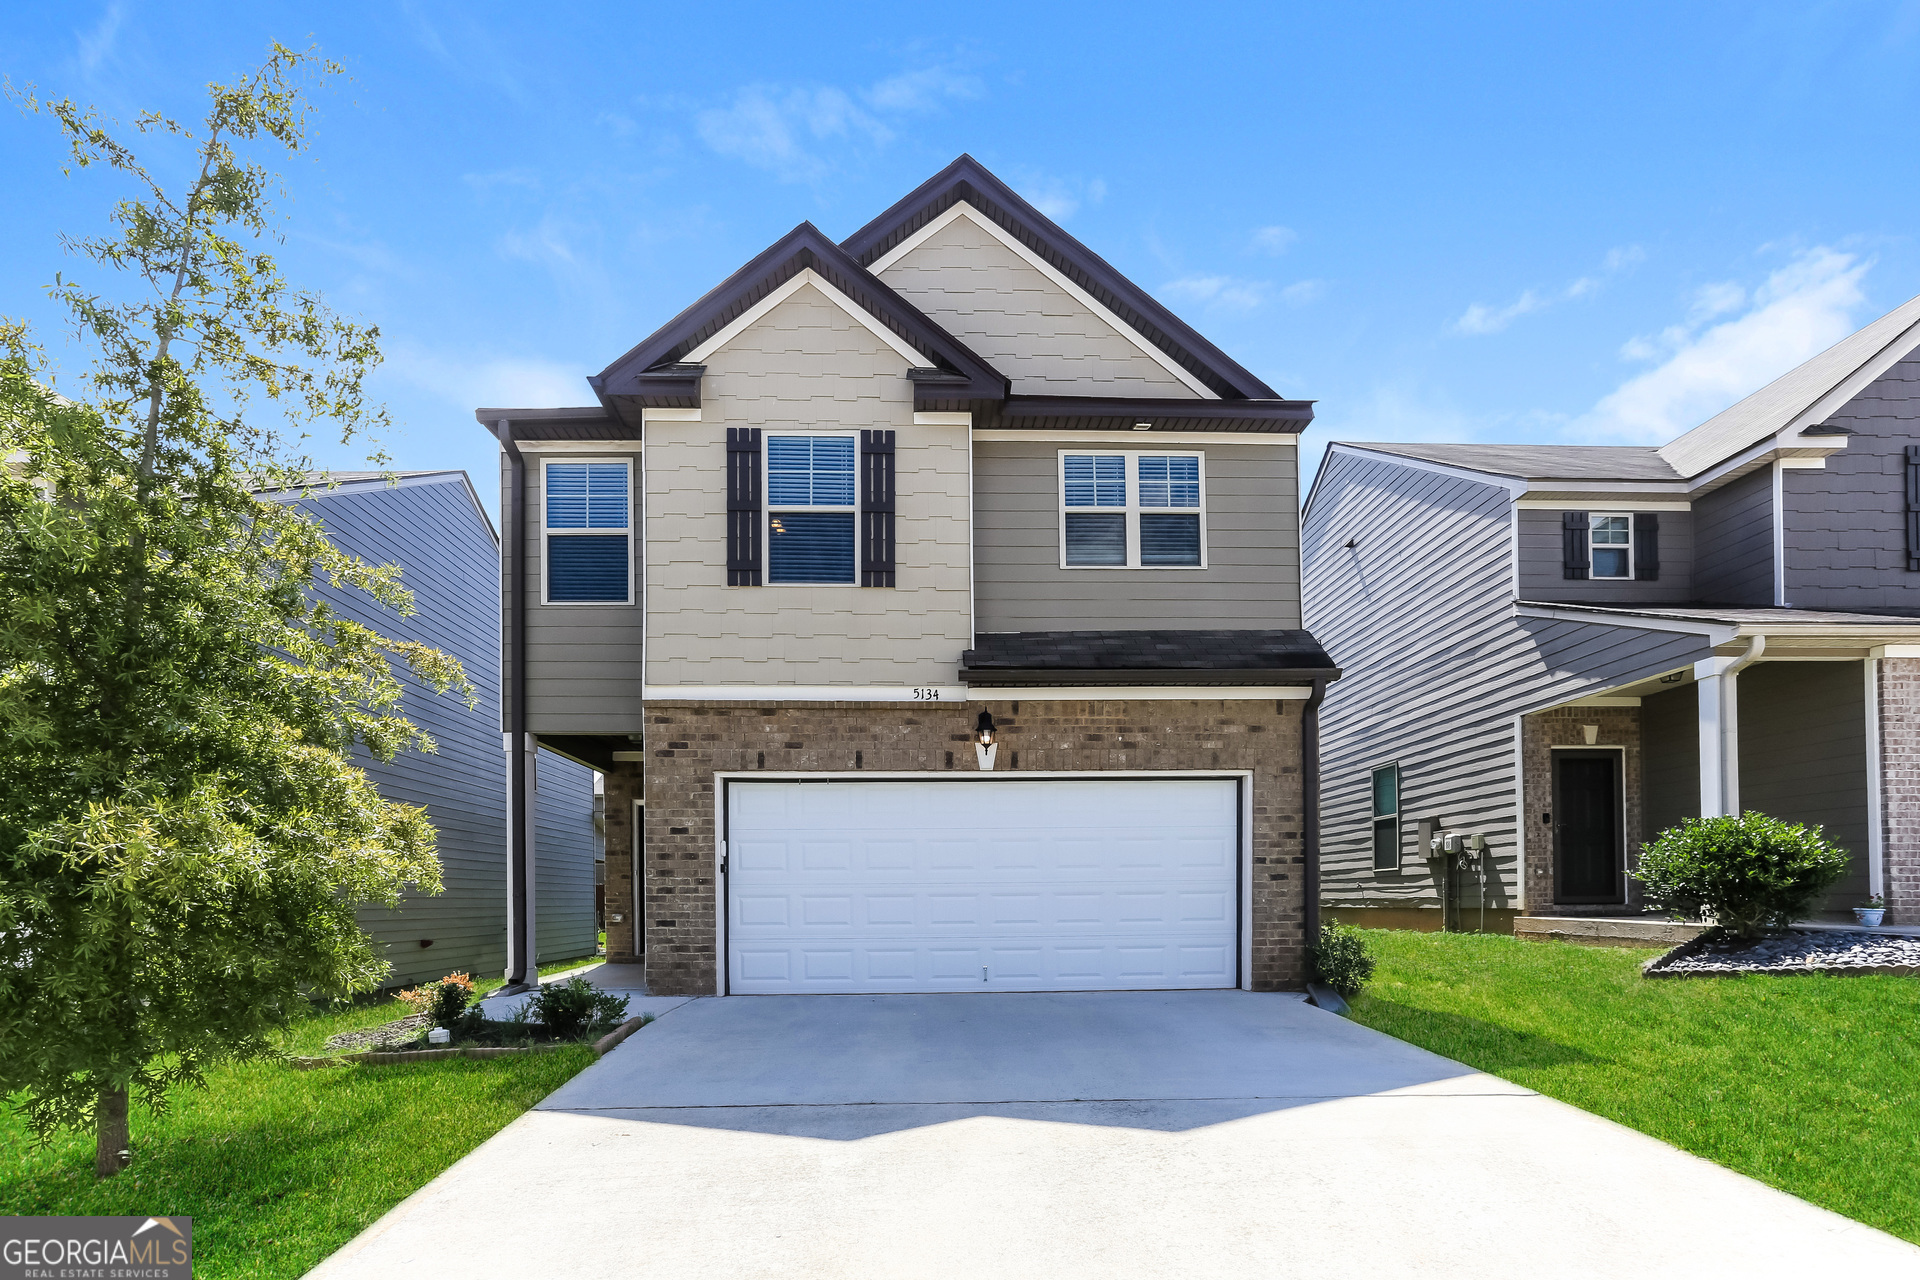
(1024, 324)
(806, 364)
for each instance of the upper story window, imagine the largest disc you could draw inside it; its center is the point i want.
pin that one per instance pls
(811, 495)
(1125, 510)
(588, 532)
(1612, 545)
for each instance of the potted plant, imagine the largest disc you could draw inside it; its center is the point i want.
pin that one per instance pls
(1871, 912)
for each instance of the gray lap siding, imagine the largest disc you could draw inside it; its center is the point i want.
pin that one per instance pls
(688, 743)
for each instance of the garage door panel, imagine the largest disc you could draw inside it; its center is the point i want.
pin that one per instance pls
(1001, 885)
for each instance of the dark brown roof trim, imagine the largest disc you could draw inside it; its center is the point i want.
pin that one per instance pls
(670, 386)
(626, 384)
(969, 180)
(588, 423)
(1006, 677)
(1076, 413)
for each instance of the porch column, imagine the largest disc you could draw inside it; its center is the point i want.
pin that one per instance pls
(1717, 686)
(523, 786)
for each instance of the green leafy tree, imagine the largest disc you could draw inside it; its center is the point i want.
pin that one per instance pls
(1749, 872)
(184, 837)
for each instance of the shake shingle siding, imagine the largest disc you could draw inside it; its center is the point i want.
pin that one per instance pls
(1419, 614)
(1543, 561)
(449, 561)
(1846, 524)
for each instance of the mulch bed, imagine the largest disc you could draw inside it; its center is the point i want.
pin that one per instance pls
(1714, 955)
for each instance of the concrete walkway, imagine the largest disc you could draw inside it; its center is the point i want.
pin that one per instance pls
(1114, 1135)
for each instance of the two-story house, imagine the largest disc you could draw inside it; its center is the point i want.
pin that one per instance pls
(1567, 649)
(930, 600)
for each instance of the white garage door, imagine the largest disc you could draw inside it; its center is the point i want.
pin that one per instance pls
(1043, 885)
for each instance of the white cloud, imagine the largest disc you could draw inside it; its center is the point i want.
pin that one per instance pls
(1802, 309)
(1302, 292)
(1060, 198)
(506, 382)
(789, 130)
(1217, 291)
(1627, 255)
(1480, 318)
(485, 182)
(546, 243)
(1274, 240)
(96, 44)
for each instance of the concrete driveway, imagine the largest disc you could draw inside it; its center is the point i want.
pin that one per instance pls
(1046, 1137)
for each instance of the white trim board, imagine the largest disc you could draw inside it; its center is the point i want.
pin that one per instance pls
(804, 693)
(959, 694)
(1625, 504)
(1716, 632)
(1169, 440)
(1144, 693)
(961, 209)
(806, 276)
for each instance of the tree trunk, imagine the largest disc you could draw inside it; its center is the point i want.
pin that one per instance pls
(111, 1140)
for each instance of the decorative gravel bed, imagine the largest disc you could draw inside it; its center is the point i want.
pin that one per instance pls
(399, 1031)
(1794, 951)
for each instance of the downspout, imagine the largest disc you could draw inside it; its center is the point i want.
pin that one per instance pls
(1310, 805)
(521, 973)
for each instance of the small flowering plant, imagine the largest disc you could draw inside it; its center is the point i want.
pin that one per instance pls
(444, 1001)
(1875, 903)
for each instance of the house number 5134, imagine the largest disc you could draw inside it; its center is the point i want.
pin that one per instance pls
(926, 695)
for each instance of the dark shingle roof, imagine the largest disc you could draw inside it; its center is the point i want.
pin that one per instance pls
(1153, 657)
(1541, 461)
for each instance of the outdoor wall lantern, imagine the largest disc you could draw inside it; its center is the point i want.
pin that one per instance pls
(985, 749)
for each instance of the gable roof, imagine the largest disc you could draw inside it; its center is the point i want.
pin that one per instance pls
(969, 180)
(654, 373)
(1540, 461)
(1803, 396)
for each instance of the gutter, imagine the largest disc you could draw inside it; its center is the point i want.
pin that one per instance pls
(523, 973)
(1310, 806)
(1051, 678)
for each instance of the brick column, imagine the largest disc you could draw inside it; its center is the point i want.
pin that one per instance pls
(623, 788)
(1899, 815)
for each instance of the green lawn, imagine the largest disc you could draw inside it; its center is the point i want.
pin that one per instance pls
(277, 1167)
(1811, 1084)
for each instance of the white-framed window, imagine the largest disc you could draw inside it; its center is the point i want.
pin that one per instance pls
(812, 521)
(1386, 818)
(1610, 544)
(587, 531)
(1123, 509)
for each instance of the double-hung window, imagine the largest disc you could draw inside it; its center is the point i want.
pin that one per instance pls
(1126, 510)
(588, 532)
(1386, 818)
(811, 493)
(1611, 545)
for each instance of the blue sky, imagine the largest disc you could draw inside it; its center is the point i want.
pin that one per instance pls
(1595, 223)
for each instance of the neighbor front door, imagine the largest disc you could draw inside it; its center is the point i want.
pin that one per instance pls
(1587, 850)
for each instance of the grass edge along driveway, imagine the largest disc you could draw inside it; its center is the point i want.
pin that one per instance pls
(1810, 1083)
(277, 1167)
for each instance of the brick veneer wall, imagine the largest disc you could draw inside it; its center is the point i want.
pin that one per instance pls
(1561, 727)
(623, 788)
(1899, 814)
(687, 743)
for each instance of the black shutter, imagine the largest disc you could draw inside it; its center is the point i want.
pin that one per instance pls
(743, 506)
(1573, 543)
(1913, 508)
(1646, 546)
(876, 508)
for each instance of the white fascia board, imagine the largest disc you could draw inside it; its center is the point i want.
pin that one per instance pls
(1797, 454)
(1849, 387)
(1603, 488)
(806, 276)
(1895, 651)
(931, 693)
(969, 775)
(942, 419)
(669, 415)
(1610, 503)
(1141, 693)
(1715, 632)
(578, 446)
(961, 209)
(1602, 700)
(1136, 439)
(1512, 484)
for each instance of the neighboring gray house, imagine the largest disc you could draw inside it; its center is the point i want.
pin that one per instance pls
(1566, 649)
(431, 524)
(931, 601)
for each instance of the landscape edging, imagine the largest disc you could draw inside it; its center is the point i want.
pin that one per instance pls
(1658, 967)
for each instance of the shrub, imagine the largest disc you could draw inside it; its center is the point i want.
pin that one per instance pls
(1341, 959)
(1747, 873)
(575, 1008)
(444, 1001)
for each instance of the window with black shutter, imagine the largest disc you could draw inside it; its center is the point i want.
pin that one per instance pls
(1646, 546)
(876, 509)
(1913, 508)
(743, 506)
(1573, 544)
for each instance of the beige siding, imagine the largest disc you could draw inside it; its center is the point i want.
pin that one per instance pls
(1025, 325)
(583, 660)
(806, 364)
(1252, 579)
